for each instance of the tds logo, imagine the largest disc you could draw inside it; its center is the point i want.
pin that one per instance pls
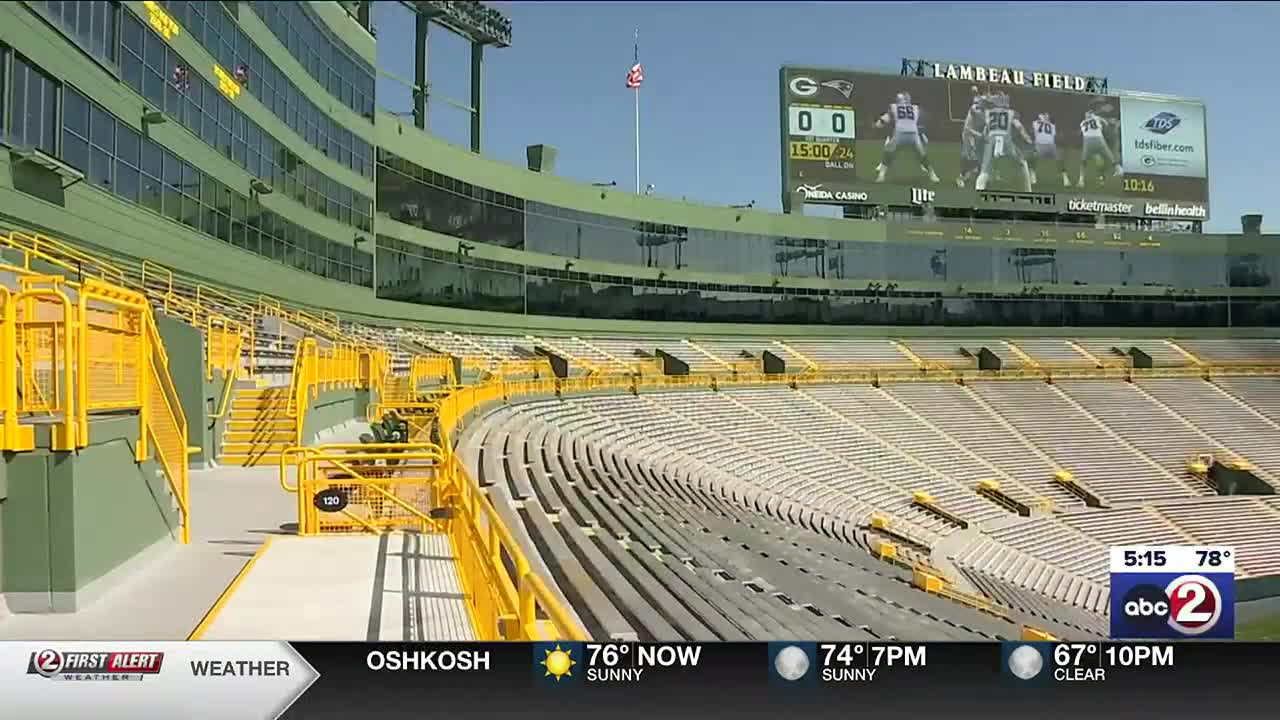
(1162, 123)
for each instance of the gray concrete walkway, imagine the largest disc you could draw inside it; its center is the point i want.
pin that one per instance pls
(400, 586)
(234, 510)
(395, 587)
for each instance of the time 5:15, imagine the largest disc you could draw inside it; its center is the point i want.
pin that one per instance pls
(1149, 558)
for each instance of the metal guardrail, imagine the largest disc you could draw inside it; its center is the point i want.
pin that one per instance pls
(316, 369)
(353, 487)
(346, 488)
(99, 351)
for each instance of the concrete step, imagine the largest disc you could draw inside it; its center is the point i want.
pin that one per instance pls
(259, 436)
(246, 460)
(268, 422)
(258, 416)
(263, 402)
(245, 412)
(255, 448)
(262, 392)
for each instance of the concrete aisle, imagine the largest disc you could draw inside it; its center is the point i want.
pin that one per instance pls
(234, 510)
(400, 586)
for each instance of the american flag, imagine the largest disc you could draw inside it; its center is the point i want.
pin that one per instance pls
(635, 76)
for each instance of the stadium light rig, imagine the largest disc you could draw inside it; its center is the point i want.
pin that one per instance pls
(472, 20)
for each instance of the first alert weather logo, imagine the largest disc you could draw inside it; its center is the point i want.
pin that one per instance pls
(559, 663)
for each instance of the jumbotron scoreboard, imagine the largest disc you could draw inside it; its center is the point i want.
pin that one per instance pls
(990, 138)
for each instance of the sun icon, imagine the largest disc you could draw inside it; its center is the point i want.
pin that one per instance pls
(558, 663)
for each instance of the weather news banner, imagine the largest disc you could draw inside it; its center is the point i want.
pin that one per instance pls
(246, 680)
(1161, 596)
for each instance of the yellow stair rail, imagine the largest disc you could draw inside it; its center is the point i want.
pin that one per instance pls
(422, 486)
(100, 352)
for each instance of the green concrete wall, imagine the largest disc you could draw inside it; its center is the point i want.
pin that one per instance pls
(185, 349)
(334, 408)
(70, 518)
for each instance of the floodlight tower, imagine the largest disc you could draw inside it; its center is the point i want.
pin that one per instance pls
(480, 25)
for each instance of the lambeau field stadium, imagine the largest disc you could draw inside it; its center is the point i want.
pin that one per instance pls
(279, 363)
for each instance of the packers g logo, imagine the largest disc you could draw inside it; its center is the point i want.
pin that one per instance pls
(1190, 605)
(804, 87)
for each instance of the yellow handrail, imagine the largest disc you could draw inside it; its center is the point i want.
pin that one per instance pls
(505, 598)
(101, 352)
(227, 390)
(165, 424)
(340, 365)
(223, 342)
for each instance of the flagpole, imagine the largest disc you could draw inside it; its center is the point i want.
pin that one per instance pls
(637, 91)
(637, 141)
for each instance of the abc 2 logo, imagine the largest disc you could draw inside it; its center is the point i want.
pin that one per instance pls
(1172, 606)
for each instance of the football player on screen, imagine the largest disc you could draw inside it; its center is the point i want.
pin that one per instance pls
(972, 138)
(1093, 129)
(1047, 151)
(904, 116)
(1003, 129)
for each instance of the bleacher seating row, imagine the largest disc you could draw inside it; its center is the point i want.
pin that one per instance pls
(642, 552)
(723, 354)
(821, 461)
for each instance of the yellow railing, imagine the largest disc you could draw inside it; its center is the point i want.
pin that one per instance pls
(504, 595)
(224, 352)
(341, 365)
(224, 339)
(165, 423)
(98, 352)
(430, 369)
(71, 259)
(381, 486)
(348, 488)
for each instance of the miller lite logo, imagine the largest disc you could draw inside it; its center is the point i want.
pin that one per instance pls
(921, 196)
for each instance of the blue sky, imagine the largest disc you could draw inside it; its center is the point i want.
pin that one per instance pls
(709, 105)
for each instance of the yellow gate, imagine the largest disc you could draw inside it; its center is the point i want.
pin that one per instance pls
(366, 487)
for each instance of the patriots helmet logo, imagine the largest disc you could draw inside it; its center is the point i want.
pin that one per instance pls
(844, 87)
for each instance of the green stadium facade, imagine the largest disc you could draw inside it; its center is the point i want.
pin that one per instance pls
(444, 236)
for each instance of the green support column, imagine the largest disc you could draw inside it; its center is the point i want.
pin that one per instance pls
(364, 14)
(421, 25)
(477, 86)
